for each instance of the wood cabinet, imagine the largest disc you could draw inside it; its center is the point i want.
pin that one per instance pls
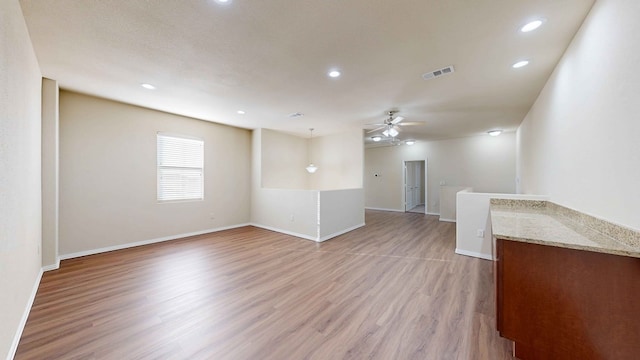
(559, 303)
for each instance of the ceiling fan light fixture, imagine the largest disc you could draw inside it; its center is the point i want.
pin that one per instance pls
(390, 132)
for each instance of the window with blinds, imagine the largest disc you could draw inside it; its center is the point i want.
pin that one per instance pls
(180, 168)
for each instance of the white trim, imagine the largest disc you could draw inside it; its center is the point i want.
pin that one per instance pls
(55, 266)
(25, 316)
(178, 135)
(448, 220)
(286, 232)
(147, 242)
(474, 254)
(433, 213)
(331, 236)
(189, 159)
(383, 209)
(424, 185)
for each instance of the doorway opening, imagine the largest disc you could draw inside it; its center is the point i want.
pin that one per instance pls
(415, 189)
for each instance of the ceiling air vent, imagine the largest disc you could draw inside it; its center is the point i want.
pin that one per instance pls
(437, 73)
(296, 114)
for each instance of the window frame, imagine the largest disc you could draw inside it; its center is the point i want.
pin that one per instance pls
(161, 169)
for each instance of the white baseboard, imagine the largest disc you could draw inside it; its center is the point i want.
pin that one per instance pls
(55, 266)
(331, 236)
(25, 316)
(147, 242)
(383, 209)
(286, 232)
(432, 213)
(448, 220)
(474, 254)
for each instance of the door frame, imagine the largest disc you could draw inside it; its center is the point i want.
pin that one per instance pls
(403, 184)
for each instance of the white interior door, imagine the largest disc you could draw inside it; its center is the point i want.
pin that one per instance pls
(412, 184)
(408, 196)
(415, 184)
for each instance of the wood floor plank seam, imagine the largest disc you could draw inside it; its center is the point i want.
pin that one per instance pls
(377, 255)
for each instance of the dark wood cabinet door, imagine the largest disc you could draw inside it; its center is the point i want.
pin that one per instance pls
(558, 303)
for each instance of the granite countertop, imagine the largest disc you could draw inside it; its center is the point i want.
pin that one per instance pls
(546, 223)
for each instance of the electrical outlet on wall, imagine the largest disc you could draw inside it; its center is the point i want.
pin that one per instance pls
(480, 233)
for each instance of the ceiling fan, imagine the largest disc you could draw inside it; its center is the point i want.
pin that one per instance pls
(393, 141)
(391, 125)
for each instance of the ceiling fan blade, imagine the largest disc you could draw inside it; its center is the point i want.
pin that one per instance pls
(412, 123)
(397, 120)
(376, 129)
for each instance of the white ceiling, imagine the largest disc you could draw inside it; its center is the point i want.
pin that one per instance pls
(270, 58)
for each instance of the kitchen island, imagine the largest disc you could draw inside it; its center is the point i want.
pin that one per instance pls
(567, 284)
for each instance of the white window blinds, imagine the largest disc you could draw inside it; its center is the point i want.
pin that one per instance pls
(180, 168)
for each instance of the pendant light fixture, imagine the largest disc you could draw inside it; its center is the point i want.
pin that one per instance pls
(311, 168)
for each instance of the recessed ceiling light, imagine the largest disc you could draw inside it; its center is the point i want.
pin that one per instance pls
(223, 1)
(240, 112)
(410, 142)
(520, 64)
(495, 132)
(376, 138)
(148, 86)
(530, 26)
(334, 73)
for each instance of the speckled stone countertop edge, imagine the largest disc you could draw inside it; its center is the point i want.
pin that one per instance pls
(619, 234)
(604, 250)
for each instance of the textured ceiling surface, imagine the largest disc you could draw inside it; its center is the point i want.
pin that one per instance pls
(270, 58)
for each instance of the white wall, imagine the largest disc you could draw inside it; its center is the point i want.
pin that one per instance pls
(340, 159)
(284, 158)
(20, 194)
(308, 213)
(473, 215)
(580, 142)
(340, 211)
(288, 210)
(448, 206)
(108, 176)
(484, 163)
(50, 173)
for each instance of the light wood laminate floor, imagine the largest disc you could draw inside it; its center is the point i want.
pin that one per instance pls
(393, 289)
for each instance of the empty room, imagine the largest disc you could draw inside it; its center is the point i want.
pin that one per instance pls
(233, 179)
